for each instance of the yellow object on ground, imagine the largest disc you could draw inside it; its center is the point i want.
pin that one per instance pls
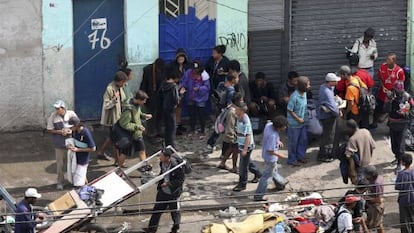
(257, 223)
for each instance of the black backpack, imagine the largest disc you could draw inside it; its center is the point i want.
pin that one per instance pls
(367, 101)
(353, 58)
(187, 168)
(334, 226)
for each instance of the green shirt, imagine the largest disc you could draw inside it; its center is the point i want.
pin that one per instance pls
(131, 120)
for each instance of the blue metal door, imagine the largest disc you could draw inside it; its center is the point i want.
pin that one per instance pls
(98, 49)
(188, 27)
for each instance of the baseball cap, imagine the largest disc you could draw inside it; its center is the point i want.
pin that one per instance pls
(331, 77)
(32, 192)
(59, 104)
(349, 199)
(344, 70)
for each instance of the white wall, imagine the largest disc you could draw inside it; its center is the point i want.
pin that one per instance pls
(21, 89)
(57, 43)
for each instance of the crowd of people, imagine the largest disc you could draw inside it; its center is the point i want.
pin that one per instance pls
(167, 89)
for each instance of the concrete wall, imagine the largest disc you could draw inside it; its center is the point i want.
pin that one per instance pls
(21, 90)
(141, 37)
(232, 29)
(57, 43)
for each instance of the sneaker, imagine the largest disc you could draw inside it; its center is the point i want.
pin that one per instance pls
(59, 186)
(256, 179)
(239, 188)
(210, 148)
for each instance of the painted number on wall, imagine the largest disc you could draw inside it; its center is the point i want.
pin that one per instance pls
(96, 26)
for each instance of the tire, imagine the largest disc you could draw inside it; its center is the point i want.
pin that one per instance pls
(90, 228)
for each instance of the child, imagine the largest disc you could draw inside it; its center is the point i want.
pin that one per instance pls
(270, 154)
(197, 89)
(170, 97)
(84, 144)
(297, 134)
(245, 143)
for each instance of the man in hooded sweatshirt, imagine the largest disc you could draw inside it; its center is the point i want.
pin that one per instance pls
(170, 98)
(179, 66)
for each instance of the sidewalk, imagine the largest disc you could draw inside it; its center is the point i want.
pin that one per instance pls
(28, 161)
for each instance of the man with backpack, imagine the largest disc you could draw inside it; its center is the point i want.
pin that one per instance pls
(354, 87)
(169, 190)
(227, 127)
(344, 221)
(223, 98)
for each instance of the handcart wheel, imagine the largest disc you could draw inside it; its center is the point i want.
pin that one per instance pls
(93, 228)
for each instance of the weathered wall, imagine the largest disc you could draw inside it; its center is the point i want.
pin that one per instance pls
(21, 90)
(142, 36)
(57, 43)
(232, 29)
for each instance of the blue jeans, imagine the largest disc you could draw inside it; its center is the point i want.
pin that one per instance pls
(370, 71)
(297, 144)
(270, 171)
(245, 164)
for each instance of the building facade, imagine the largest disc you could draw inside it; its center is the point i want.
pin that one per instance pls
(70, 49)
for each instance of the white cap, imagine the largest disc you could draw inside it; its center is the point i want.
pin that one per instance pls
(331, 77)
(59, 104)
(32, 192)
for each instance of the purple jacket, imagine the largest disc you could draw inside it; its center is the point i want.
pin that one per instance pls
(189, 83)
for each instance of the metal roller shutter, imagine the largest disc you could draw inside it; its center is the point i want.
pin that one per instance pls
(265, 52)
(321, 29)
(265, 38)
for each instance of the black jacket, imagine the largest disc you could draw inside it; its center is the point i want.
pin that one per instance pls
(169, 96)
(212, 70)
(256, 93)
(147, 83)
(176, 179)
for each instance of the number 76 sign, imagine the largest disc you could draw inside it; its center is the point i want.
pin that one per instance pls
(96, 26)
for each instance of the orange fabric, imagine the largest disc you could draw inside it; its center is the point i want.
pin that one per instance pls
(352, 93)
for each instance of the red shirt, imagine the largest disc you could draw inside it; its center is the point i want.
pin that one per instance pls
(362, 74)
(388, 77)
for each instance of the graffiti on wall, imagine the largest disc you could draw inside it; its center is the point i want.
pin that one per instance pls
(237, 41)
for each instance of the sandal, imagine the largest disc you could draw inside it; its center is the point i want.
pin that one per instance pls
(221, 166)
(234, 170)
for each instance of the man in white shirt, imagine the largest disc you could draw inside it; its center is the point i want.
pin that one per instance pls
(366, 48)
(344, 214)
(58, 126)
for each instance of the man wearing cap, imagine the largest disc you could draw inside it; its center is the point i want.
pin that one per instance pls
(400, 111)
(328, 113)
(25, 218)
(345, 221)
(84, 144)
(58, 126)
(353, 84)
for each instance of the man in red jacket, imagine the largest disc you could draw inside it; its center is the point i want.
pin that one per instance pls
(363, 74)
(389, 72)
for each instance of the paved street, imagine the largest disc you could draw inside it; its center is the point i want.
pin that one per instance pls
(28, 160)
